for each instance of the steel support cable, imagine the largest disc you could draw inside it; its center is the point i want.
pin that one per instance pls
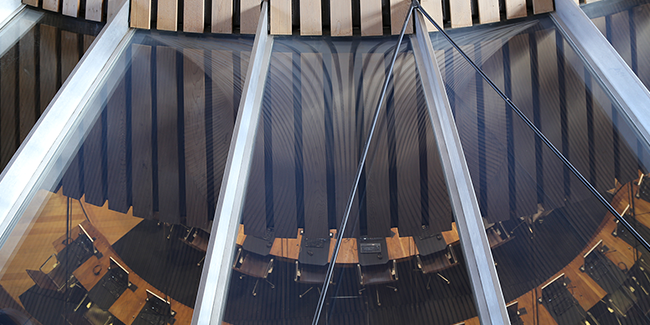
(362, 162)
(539, 133)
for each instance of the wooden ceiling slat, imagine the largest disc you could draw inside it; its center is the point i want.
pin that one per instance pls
(542, 6)
(515, 8)
(141, 14)
(310, 17)
(167, 15)
(340, 18)
(51, 5)
(280, 13)
(398, 11)
(488, 11)
(222, 11)
(249, 15)
(70, 8)
(461, 13)
(193, 13)
(371, 20)
(94, 10)
(434, 9)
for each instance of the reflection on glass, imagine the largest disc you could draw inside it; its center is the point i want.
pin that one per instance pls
(561, 257)
(399, 258)
(625, 25)
(118, 229)
(38, 50)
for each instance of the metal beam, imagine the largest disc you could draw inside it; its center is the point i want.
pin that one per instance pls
(616, 76)
(41, 154)
(8, 9)
(488, 296)
(215, 278)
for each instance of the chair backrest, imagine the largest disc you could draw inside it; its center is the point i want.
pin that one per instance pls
(438, 261)
(310, 274)
(253, 264)
(377, 274)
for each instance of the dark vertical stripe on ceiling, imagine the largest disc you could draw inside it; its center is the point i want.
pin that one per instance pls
(422, 118)
(104, 154)
(361, 187)
(37, 72)
(634, 64)
(539, 163)
(268, 151)
(181, 133)
(329, 137)
(17, 91)
(615, 144)
(209, 137)
(297, 124)
(449, 71)
(390, 141)
(154, 128)
(510, 136)
(561, 77)
(129, 129)
(480, 126)
(589, 103)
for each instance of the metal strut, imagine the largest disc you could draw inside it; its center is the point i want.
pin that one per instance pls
(362, 162)
(539, 133)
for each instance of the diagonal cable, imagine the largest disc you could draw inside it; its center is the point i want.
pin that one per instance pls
(362, 162)
(539, 133)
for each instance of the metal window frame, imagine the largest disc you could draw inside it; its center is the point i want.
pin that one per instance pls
(8, 10)
(599, 55)
(38, 155)
(488, 295)
(213, 288)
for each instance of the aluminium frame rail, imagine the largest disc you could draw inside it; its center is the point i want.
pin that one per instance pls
(599, 55)
(40, 152)
(488, 296)
(8, 10)
(213, 288)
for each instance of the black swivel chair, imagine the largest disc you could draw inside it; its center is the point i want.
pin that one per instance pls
(254, 265)
(313, 275)
(375, 275)
(437, 262)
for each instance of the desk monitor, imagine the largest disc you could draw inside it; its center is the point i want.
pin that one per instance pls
(557, 279)
(159, 305)
(87, 241)
(118, 273)
(588, 254)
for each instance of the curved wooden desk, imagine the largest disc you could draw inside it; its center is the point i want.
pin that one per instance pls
(398, 247)
(129, 304)
(586, 291)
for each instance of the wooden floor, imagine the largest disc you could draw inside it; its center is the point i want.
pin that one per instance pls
(44, 220)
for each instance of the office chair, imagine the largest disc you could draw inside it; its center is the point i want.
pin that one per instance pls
(374, 275)
(54, 279)
(437, 262)
(197, 239)
(310, 274)
(254, 265)
(498, 235)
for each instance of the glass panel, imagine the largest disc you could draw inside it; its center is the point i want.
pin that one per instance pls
(117, 229)
(561, 257)
(38, 50)
(319, 101)
(625, 24)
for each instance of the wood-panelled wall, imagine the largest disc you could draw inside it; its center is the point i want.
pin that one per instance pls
(317, 17)
(31, 72)
(160, 145)
(93, 10)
